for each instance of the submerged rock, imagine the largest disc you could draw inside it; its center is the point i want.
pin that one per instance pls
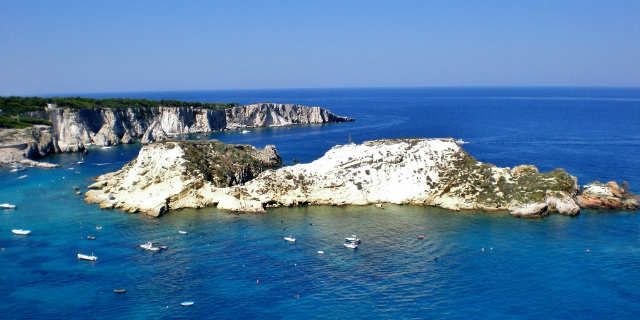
(610, 195)
(435, 172)
(530, 210)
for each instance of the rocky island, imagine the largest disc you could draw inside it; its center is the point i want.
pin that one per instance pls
(431, 172)
(32, 132)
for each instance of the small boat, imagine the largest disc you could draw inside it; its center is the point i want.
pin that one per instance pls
(21, 232)
(320, 252)
(87, 257)
(150, 247)
(120, 291)
(90, 237)
(351, 245)
(182, 232)
(460, 142)
(98, 227)
(353, 238)
(78, 192)
(420, 236)
(290, 239)
(7, 206)
(80, 162)
(186, 303)
(24, 176)
(106, 147)
(245, 131)
(379, 205)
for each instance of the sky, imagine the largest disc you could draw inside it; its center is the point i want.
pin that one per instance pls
(124, 46)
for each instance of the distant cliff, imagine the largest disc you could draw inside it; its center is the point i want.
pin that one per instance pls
(73, 129)
(432, 172)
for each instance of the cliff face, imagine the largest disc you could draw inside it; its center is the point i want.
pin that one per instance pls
(272, 115)
(171, 175)
(18, 144)
(74, 129)
(433, 172)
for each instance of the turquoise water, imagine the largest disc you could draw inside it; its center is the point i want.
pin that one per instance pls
(238, 266)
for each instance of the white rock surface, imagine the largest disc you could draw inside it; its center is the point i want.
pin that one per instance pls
(433, 172)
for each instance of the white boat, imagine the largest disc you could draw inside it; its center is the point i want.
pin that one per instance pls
(21, 232)
(98, 227)
(80, 162)
(87, 257)
(24, 176)
(186, 303)
(106, 147)
(182, 232)
(7, 206)
(245, 131)
(351, 245)
(320, 252)
(379, 205)
(353, 238)
(150, 247)
(290, 239)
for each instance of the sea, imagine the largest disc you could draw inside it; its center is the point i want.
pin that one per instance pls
(470, 265)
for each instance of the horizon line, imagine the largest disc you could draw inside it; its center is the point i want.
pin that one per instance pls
(70, 94)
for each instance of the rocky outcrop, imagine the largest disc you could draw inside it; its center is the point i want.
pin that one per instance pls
(433, 172)
(608, 195)
(19, 145)
(276, 115)
(75, 129)
(174, 175)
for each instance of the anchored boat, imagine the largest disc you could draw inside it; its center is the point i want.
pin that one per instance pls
(290, 239)
(353, 238)
(87, 257)
(21, 232)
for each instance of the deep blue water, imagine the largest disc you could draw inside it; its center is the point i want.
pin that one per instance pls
(237, 266)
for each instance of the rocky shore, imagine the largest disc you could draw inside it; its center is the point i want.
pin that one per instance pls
(430, 172)
(72, 130)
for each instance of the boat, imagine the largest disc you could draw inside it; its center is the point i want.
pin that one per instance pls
(379, 205)
(24, 176)
(186, 303)
(98, 227)
(106, 147)
(90, 237)
(87, 257)
(460, 142)
(182, 232)
(290, 239)
(245, 131)
(21, 232)
(351, 245)
(80, 162)
(119, 290)
(320, 252)
(420, 236)
(7, 206)
(353, 238)
(150, 247)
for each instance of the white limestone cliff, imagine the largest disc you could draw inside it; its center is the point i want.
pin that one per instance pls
(433, 172)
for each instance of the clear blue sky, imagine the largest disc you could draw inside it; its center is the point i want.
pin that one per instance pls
(103, 46)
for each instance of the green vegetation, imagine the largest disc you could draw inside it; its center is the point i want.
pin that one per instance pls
(223, 165)
(20, 112)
